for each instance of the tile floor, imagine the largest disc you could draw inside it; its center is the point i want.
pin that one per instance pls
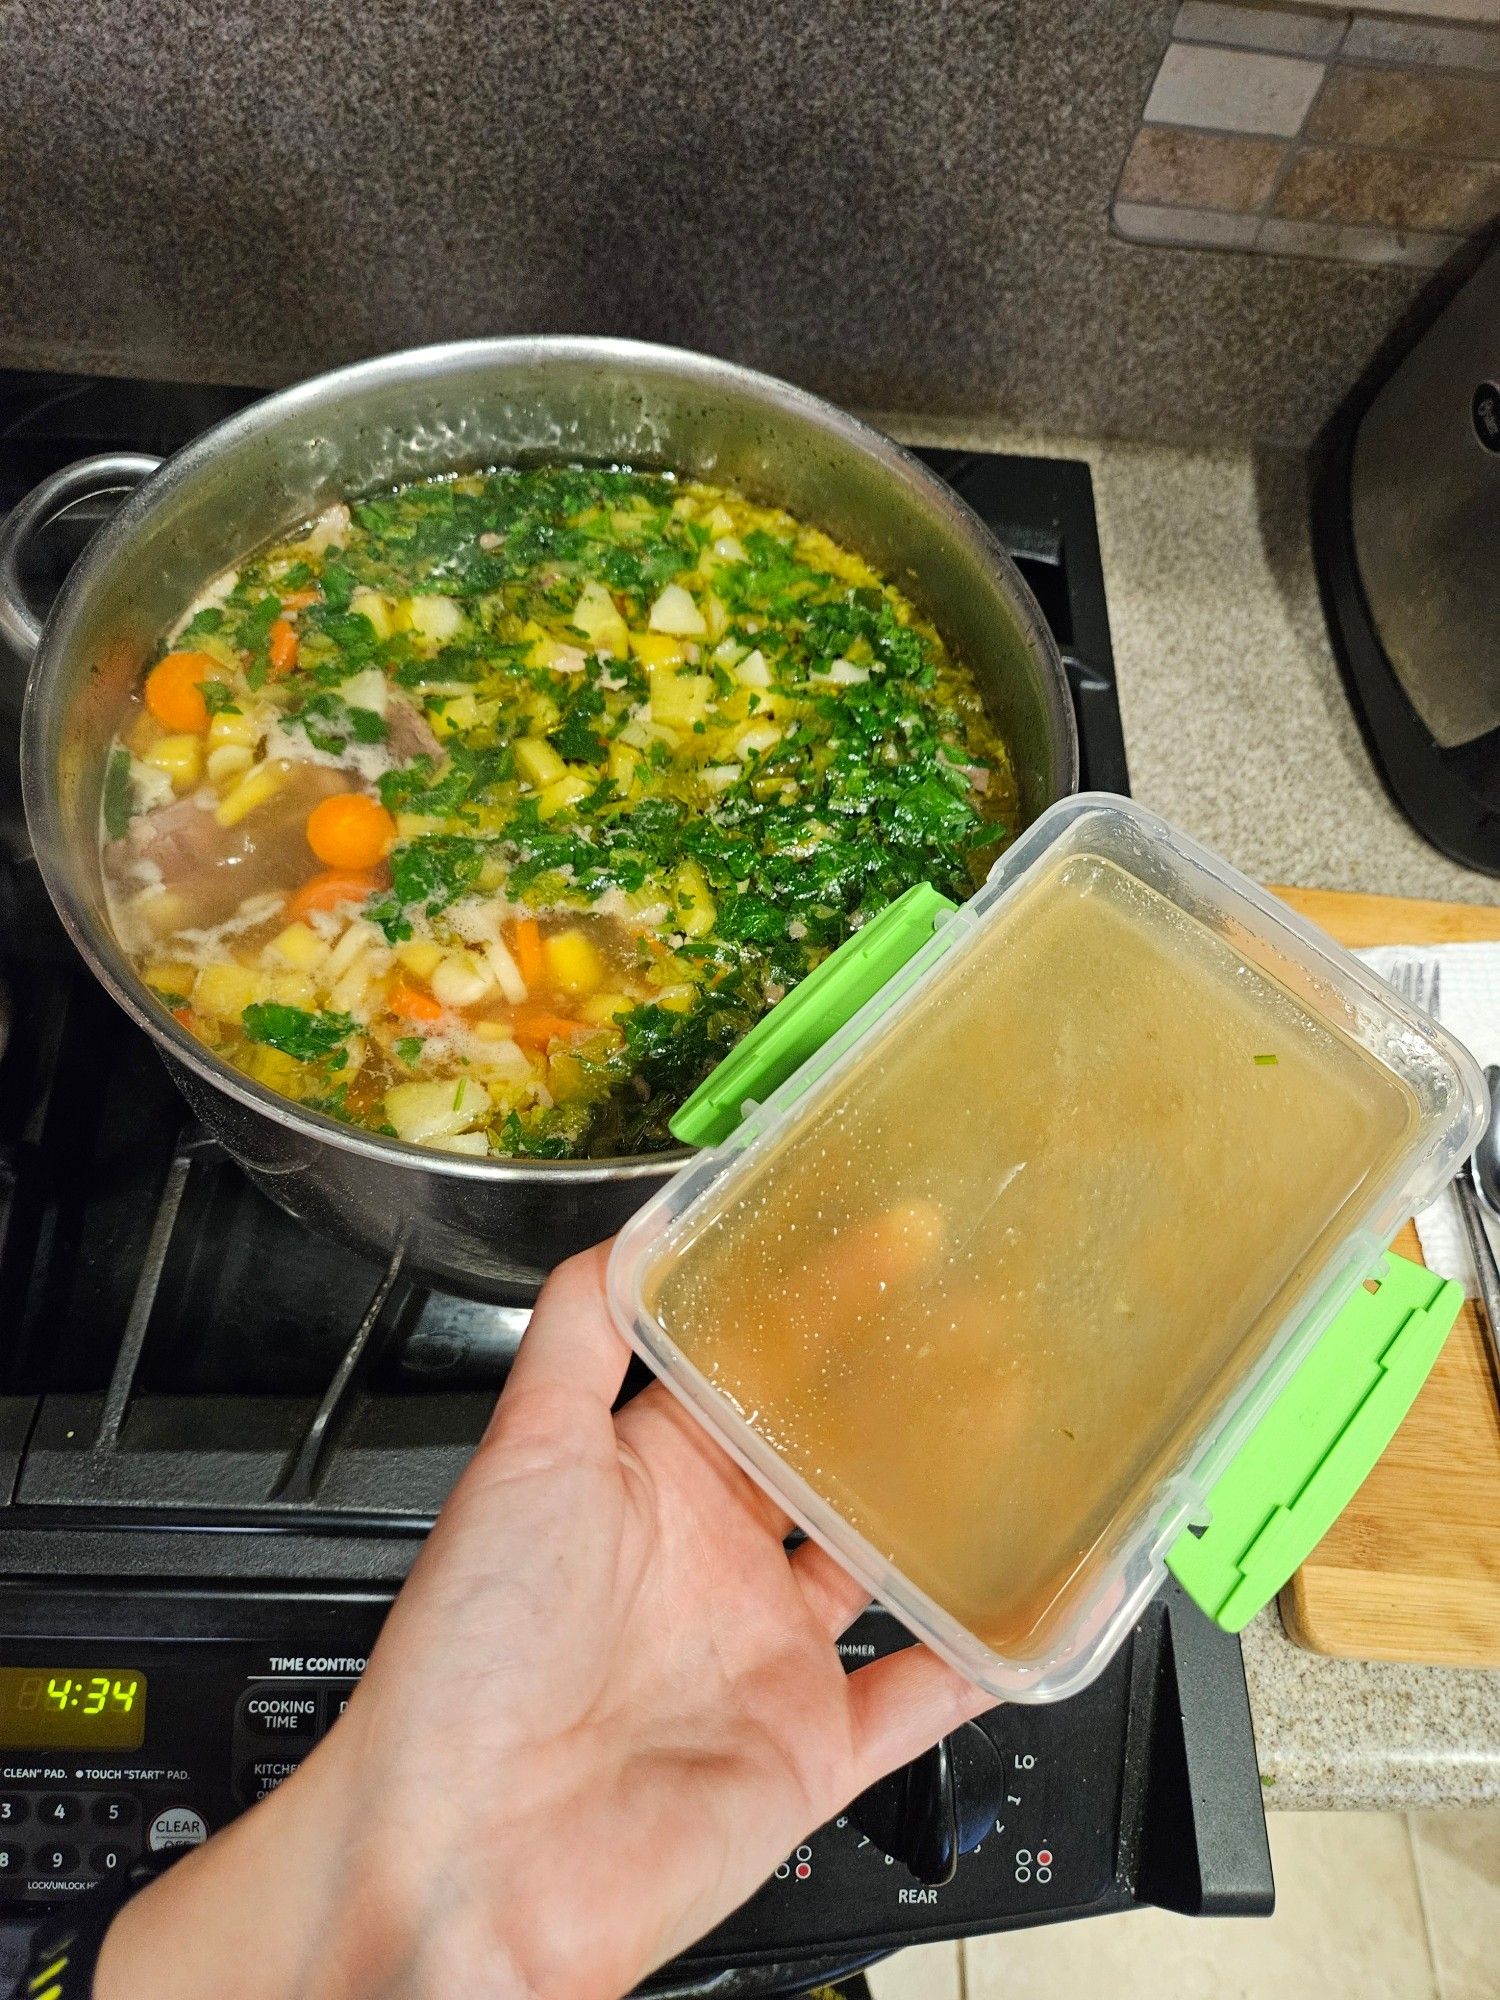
(1371, 1906)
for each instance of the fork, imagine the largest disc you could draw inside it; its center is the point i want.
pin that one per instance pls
(1419, 981)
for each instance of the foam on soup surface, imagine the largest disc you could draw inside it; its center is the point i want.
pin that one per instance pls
(1010, 1266)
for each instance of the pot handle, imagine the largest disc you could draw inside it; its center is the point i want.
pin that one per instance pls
(112, 472)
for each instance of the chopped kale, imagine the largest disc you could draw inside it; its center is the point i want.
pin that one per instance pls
(331, 724)
(426, 875)
(309, 1037)
(218, 697)
(118, 804)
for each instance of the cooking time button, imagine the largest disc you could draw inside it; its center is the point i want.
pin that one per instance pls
(284, 1712)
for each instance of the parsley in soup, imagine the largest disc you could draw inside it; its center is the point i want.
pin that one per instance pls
(491, 812)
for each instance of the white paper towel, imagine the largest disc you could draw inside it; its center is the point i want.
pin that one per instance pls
(1469, 1007)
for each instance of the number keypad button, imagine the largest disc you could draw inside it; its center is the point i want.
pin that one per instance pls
(12, 1862)
(13, 1808)
(109, 1861)
(59, 1860)
(58, 1809)
(115, 1809)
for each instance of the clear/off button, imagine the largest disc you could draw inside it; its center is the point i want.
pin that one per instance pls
(280, 1714)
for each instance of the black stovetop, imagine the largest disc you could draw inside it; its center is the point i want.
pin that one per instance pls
(177, 1350)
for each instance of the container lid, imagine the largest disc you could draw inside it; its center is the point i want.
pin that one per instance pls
(1317, 1442)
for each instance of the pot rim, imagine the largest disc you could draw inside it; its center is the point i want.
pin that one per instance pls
(97, 945)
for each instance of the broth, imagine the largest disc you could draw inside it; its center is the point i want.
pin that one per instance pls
(997, 1279)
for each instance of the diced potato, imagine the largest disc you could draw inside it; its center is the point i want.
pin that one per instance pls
(674, 611)
(300, 946)
(595, 615)
(347, 995)
(369, 689)
(656, 649)
(567, 791)
(756, 738)
(752, 671)
(171, 976)
(622, 767)
(448, 717)
(227, 764)
(462, 1142)
(572, 961)
(412, 826)
(459, 979)
(505, 1062)
(375, 606)
(717, 616)
(421, 1111)
(539, 762)
(160, 908)
(260, 782)
(275, 1069)
(420, 955)
(234, 726)
(696, 909)
(719, 520)
(676, 998)
(181, 757)
(225, 990)
(681, 698)
(291, 989)
(603, 1008)
(434, 618)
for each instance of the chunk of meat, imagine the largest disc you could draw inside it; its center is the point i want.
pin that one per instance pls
(213, 868)
(408, 732)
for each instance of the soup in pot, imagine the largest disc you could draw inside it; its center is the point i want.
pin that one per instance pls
(490, 813)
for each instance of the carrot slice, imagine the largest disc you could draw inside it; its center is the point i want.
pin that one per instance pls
(298, 600)
(526, 945)
(350, 830)
(173, 693)
(338, 885)
(282, 644)
(413, 1004)
(535, 1027)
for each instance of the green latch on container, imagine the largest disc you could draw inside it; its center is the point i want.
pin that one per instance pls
(1315, 1445)
(778, 1045)
(1313, 1449)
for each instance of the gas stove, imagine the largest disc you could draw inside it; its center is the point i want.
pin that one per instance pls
(222, 1439)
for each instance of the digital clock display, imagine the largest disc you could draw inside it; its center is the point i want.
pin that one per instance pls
(72, 1708)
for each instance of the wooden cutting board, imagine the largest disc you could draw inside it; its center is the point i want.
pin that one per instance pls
(1411, 1569)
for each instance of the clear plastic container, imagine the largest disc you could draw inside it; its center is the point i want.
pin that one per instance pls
(999, 1401)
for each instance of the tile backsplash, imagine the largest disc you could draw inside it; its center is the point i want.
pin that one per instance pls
(1319, 133)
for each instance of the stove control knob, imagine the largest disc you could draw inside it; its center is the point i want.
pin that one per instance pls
(936, 1808)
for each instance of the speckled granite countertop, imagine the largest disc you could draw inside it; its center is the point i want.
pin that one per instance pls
(1237, 727)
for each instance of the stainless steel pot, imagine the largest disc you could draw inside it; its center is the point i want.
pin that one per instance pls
(491, 1228)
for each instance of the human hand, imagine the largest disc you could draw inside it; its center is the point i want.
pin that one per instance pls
(605, 1705)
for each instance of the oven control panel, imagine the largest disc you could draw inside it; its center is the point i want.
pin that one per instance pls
(131, 1746)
